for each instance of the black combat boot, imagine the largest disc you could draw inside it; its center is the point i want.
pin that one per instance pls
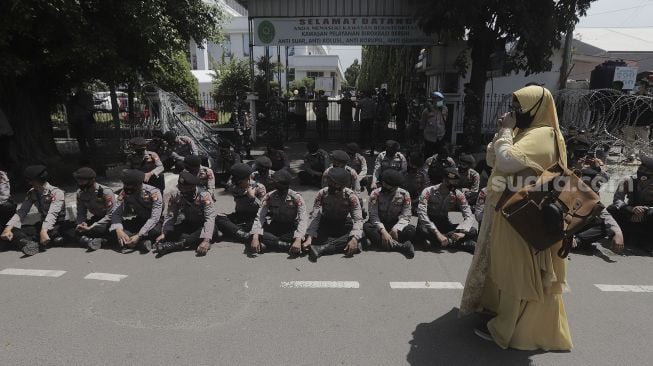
(145, 246)
(29, 247)
(242, 236)
(406, 248)
(168, 247)
(91, 244)
(317, 251)
(467, 246)
(283, 246)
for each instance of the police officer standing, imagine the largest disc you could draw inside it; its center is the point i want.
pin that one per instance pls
(146, 161)
(263, 172)
(288, 218)
(96, 199)
(193, 164)
(50, 204)
(632, 206)
(336, 221)
(390, 211)
(146, 203)
(197, 208)
(247, 197)
(316, 161)
(435, 203)
(391, 158)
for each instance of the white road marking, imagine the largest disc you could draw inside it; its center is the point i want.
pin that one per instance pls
(624, 288)
(426, 285)
(105, 276)
(246, 286)
(320, 284)
(32, 272)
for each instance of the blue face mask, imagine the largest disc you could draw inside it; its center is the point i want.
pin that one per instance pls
(439, 103)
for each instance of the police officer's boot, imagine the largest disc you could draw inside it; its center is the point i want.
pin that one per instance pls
(91, 243)
(283, 246)
(168, 247)
(29, 247)
(406, 248)
(317, 251)
(145, 246)
(242, 236)
(467, 246)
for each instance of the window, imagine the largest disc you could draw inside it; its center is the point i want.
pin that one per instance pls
(314, 74)
(333, 74)
(226, 46)
(291, 74)
(291, 51)
(245, 38)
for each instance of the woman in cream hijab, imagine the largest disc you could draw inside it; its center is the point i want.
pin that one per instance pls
(508, 280)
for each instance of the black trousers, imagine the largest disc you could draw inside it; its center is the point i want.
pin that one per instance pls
(333, 233)
(309, 179)
(157, 181)
(592, 233)
(232, 223)
(187, 231)
(374, 236)
(133, 226)
(367, 125)
(431, 148)
(277, 231)
(636, 234)
(322, 127)
(444, 226)
(32, 232)
(7, 210)
(68, 231)
(300, 124)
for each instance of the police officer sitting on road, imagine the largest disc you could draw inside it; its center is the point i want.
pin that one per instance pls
(263, 172)
(470, 180)
(247, 196)
(390, 212)
(288, 218)
(435, 203)
(196, 209)
(340, 159)
(632, 206)
(179, 147)
(98, 200)
(316, 161)
(228, 158)
(359, 163)
(50, 204)
(193, 164)
(415, 178)
(435, 165)
(336, 221)
(7, 205)
(277, 156)
(391, 158)
(146, 161)
(145, 202)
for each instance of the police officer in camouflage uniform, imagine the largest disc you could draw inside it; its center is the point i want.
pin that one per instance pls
(359, 163)
(247, 197)
(98, 200)
(435, 203)
(316, 161)
(340, 159)
(50, 204)
(632, 206)
(7, 205)
(190, 221)
(336, 221)
(391, 158)
(136, 217)
(179, 147)
(263, 172)
(146, 161)
(390, 212)
(288, 218)
(193, 165)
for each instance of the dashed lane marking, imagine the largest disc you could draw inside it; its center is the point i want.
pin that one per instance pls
(105, 276)
(320, 284)
(427, 285)
(32, 272)
(624, 288)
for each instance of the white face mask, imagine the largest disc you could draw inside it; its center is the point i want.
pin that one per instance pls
(439, 103)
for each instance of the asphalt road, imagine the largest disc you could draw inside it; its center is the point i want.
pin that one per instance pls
(231, 309)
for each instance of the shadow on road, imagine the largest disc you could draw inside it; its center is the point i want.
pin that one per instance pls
(451, 341)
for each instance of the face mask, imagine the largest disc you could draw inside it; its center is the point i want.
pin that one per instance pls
(129, 190)
(439, 103)
(334, 189)
(462, 168)
(139, 151)
(262, 172)
(523, 120)
(86, 186)
(391, 153)
(282, 188)
(189, 195)
(388, 190)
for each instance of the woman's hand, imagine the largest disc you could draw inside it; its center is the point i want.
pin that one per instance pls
(507, 120)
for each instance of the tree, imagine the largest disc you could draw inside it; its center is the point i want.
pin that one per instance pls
(175, 76)
(230, 79)
(352, 72)
(49, 47)
(521, 34)
(388, 64)
(307, 83)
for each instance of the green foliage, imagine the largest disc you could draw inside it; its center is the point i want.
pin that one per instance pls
(175, 76)
(308, 83)
(388, 64)
(352, 73)
(232, 78)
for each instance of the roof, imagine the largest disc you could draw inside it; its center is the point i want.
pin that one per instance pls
(617, 39)
(203, 76)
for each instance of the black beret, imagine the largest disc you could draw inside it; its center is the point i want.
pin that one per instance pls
(467, 159)
(392, 144)
(132, 177)
(36, 172)
(451, 173)
(352, 148)
(340, 176)
(241, 171)
(341, 156)
(84, 173)
(169, 135)
(264, 161)
(138, 141)
(392, 177)
(187, 178)
(282, 177)
(647, 161)
(192, 161)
